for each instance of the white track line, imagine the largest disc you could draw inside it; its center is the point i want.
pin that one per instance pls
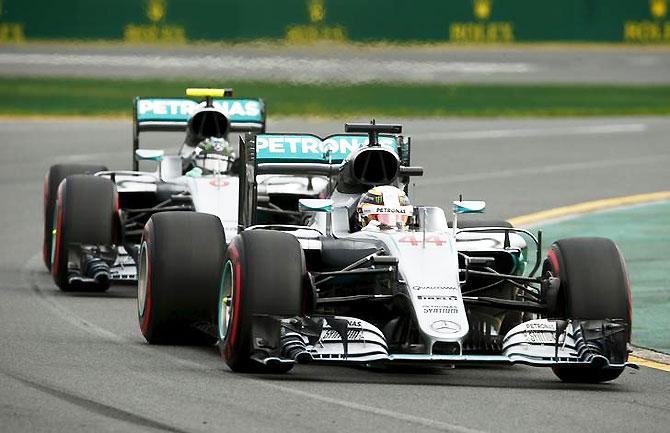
(531, 132)
(71, 317)
(437, 425)
(297, 68)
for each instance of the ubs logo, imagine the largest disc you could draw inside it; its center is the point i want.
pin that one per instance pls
(445, 326)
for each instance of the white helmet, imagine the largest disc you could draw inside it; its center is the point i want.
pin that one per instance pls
(384, 208)
(213, 155)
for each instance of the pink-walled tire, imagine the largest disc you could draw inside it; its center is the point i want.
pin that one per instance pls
(263, 274)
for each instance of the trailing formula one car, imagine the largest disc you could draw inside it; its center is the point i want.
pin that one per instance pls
(373, 279)
(94, 217)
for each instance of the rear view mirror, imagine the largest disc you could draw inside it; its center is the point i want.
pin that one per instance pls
(149, 154)
(315, 204)
(469, 206)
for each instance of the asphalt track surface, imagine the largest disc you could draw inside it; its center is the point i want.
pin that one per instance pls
(71, 363)
(438, 64)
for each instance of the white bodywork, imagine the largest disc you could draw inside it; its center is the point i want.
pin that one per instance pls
(430, 270)
(215, 194)
(428, 266)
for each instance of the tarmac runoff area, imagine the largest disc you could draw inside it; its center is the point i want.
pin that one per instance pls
(639, 226)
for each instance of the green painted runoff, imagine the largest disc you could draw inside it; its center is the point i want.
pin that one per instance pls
(95, 97)
(643, 236)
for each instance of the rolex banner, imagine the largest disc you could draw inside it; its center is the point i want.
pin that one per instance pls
(300, 21)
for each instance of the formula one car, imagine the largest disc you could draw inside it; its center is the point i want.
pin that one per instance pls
(372, 279)
(94, 217)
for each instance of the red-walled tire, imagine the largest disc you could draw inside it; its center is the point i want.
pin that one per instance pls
(85, 213)
(179, 274)
(594, 285)
(52, 179)
(263, 274)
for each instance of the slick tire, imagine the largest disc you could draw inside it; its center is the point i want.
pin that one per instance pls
(85, 213)
(594, 285)
(179, 273)
(263, 274)
(52, 179)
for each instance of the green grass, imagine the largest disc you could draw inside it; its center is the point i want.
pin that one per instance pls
(83, 96)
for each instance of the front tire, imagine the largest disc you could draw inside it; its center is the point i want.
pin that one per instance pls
(85, 214)
(263, 274)
(594, 285)
(56, 174)
(179, 271)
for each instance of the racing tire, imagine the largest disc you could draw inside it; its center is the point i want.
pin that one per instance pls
(593, 285)
(52, 179)
(263, 274)
(85, 213)
(179, 274)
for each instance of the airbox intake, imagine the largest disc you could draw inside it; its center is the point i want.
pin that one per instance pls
(206, 123)
(368, 167)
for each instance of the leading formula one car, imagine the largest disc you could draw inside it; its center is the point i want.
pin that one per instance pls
(94, 217)
(372, 279)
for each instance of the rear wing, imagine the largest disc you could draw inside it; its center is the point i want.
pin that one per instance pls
(300, 154)
(172, 114)
(309, 148)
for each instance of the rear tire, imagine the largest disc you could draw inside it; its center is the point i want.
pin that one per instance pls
(264, 274)
(84, 214)
(594, 285)
(179, 274)
(52, 179)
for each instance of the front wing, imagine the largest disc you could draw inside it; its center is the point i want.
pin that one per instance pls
(540, 342)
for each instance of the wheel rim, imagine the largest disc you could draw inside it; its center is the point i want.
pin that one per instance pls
(142, 280)
(226, 294)
(54, 235)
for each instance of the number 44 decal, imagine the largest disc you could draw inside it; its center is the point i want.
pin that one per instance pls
(430, 239)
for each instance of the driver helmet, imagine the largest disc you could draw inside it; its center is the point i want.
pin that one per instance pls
(213, 155)
(384, 208)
